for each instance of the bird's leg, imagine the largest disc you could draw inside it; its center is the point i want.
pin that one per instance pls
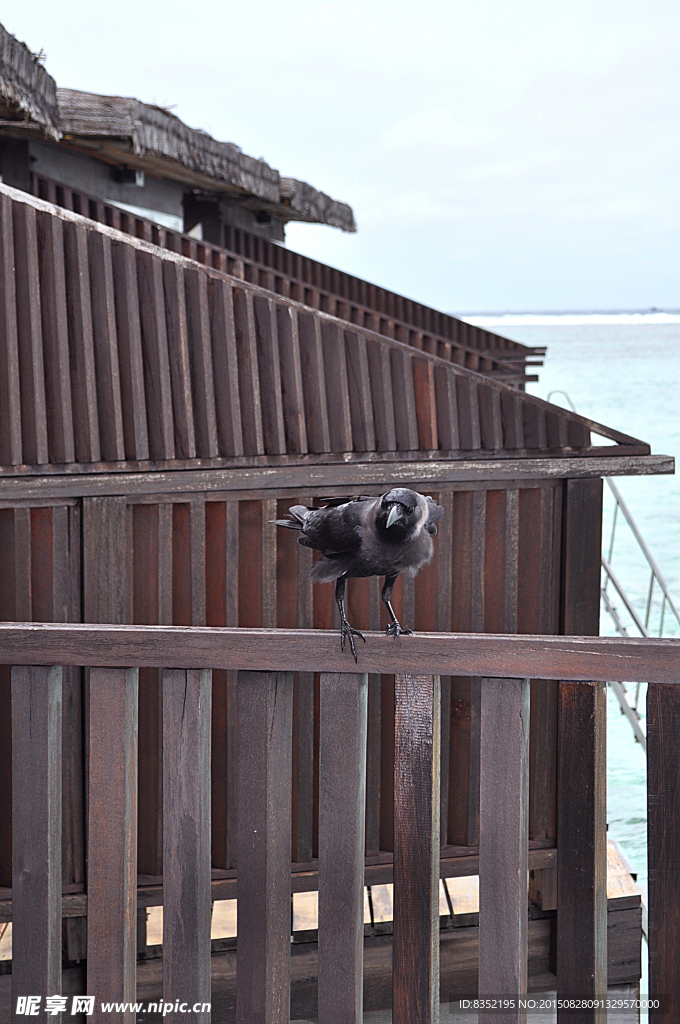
(346, 631)
(394, 629)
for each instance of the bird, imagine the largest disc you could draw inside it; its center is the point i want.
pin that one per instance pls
(367, 536)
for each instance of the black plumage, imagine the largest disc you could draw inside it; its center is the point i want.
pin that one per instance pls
(367, 536)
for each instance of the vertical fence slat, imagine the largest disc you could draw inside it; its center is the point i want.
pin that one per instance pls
(180, 369)
(291, 381)
(265, 706)
(342, 800)
(157, 382)
(200, 350)
(10, 406)
(112, 840)
(225, 362)
(36, 832)
(186, 838)
(135, 427)
(415, 984)
(582, 861)
(29, 323)
(106, 348)
(83, 375)
(663, 814)
(55, 336)
(504, 845)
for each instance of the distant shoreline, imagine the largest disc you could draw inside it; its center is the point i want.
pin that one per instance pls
(566, 318)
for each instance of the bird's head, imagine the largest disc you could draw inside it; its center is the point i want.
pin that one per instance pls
(401, 512)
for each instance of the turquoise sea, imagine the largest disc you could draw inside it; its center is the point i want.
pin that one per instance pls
(622, 370)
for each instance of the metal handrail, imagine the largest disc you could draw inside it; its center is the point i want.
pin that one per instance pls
(628, 708)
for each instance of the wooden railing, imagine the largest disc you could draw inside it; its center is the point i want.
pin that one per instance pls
(265, 660)
(314, 284)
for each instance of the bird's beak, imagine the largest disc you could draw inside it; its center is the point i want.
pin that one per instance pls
(395, 515)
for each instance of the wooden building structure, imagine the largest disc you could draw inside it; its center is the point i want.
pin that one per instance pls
(157, 414)
(162, 400)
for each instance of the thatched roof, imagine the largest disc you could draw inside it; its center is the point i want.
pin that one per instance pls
(28, 95)
(120, 129)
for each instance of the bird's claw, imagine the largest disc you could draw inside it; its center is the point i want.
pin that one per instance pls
(395, 630)
(347, 633)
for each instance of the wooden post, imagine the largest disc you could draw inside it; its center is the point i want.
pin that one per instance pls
(342, 816)
(582, 838)
(265, 717)
(112, 841)
(663, 815)
(186, 839)
(504, 845)
(415, 984)
(36, 833)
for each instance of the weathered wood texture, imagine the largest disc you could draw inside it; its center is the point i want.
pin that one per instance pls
(36, 832)
(663, 809)
(504, 845)
(415, 983)
(112, 839)
(186, 830)
(143, 308)
(342, 817)
(271, 266)
(265, 715)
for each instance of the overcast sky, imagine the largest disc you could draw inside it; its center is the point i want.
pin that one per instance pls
(498, 156)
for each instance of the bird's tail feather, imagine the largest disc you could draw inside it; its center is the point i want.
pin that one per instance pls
(297, 515)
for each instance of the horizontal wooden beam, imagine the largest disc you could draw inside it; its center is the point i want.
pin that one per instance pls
(75, 904)
(306, 650)
(220, 476)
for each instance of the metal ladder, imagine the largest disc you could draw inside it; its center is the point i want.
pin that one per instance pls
(628, 702)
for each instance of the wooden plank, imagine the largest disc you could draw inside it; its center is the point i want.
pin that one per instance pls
(504, 846)
(83, 373)
(582, 533)
(225, 368)
(337, 389)
(425, 404)
(469, 431)
(663, 811)
(112, 840)
(404, 401)
(200, 352)
(106, 542)
(342, 809)
(490, 418)
(291, 380)
(131, 362)
(269, 531)
(359, 385)
(186, 838)
(415, 985)
(29, 336)
(11, 451)
(197, 552)
(155, 350)
(180, 363)
(248, 372)
(582, 830)
(106, 348)
(36, 832)
(55, 339)
(497, 656)
(264, 799)
(314, 382)
(304, 723)
(269, 363)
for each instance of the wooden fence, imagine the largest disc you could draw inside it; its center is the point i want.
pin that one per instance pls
(314, 284)
(115, 351)
(265, 660)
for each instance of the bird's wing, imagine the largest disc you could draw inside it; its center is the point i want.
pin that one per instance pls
(335, 530)
(435, 512)
(335, 502)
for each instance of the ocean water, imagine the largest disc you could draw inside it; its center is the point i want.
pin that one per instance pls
(622, 370)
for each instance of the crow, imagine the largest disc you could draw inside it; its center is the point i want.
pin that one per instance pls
(367, 536)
